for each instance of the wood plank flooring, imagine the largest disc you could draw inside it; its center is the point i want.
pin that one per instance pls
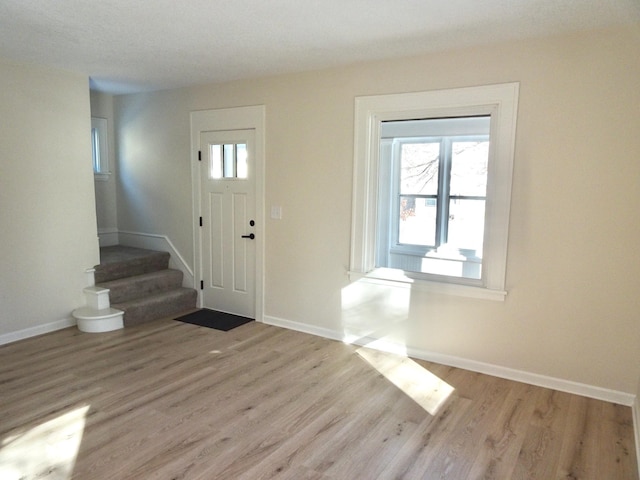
(169, 400)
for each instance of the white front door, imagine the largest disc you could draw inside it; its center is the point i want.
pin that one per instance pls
(228, 206)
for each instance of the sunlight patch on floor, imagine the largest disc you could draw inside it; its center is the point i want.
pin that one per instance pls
(374, 314)
(426, 389)
(48, 451)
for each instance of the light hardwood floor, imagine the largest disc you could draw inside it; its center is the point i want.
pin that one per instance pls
(169, 400)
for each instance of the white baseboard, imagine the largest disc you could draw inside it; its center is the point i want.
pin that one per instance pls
(635, 409)
(37, 330)
(568, 386)
(162, 243)
(303, 327)
(108, 237)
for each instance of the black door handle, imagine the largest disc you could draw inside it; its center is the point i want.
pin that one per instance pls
(251, 236)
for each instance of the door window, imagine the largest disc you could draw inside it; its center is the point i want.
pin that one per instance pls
(228, 160)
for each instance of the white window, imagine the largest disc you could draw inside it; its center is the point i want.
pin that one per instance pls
(432, 188)
(228, 160)
(99, 150)
(432, 195)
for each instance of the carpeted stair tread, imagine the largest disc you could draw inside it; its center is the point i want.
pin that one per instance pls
(130, 288)
(120, 262)
(159, 305)
(141, 284)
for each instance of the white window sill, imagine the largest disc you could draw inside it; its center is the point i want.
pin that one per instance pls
(101, 177)
(397, 278)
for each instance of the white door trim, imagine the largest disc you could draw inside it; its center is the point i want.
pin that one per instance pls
(239, 118)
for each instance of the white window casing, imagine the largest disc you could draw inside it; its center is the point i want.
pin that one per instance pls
(500, 101)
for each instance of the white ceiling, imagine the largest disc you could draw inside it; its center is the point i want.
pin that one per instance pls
(135, 45)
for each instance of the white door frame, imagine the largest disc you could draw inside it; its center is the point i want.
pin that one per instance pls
(239, 118)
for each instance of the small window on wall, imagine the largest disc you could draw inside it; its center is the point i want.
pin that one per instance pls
(228, 161)
(99, 152)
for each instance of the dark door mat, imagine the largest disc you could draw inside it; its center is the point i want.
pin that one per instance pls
(213, 319)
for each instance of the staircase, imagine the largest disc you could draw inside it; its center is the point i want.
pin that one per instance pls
(139, 284)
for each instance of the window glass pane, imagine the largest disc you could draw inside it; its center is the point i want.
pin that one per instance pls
(466, 225)
(241, 152)
(417, 222)
(419, 168)
(95, 149)
(99, 154)
(215, 157)
(229, 161)
(469, 162)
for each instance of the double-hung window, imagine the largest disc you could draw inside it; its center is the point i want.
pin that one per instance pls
(432, 195)
(432, 188)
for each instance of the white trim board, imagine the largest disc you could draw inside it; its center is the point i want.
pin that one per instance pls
(234, 118)
(559, 384)
(37, 330)
(108, 237)
(635, 410)
(152, 241)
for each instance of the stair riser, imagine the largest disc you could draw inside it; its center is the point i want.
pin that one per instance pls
(91, 320)
(125, 289)
(100, 326)
(97, 298)
(162, 306)
(138, 266)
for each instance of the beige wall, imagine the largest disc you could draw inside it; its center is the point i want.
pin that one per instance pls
(47, 212)
(106, 206)
(572, 275)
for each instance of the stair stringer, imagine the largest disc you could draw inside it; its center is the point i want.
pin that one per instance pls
(151, 241)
